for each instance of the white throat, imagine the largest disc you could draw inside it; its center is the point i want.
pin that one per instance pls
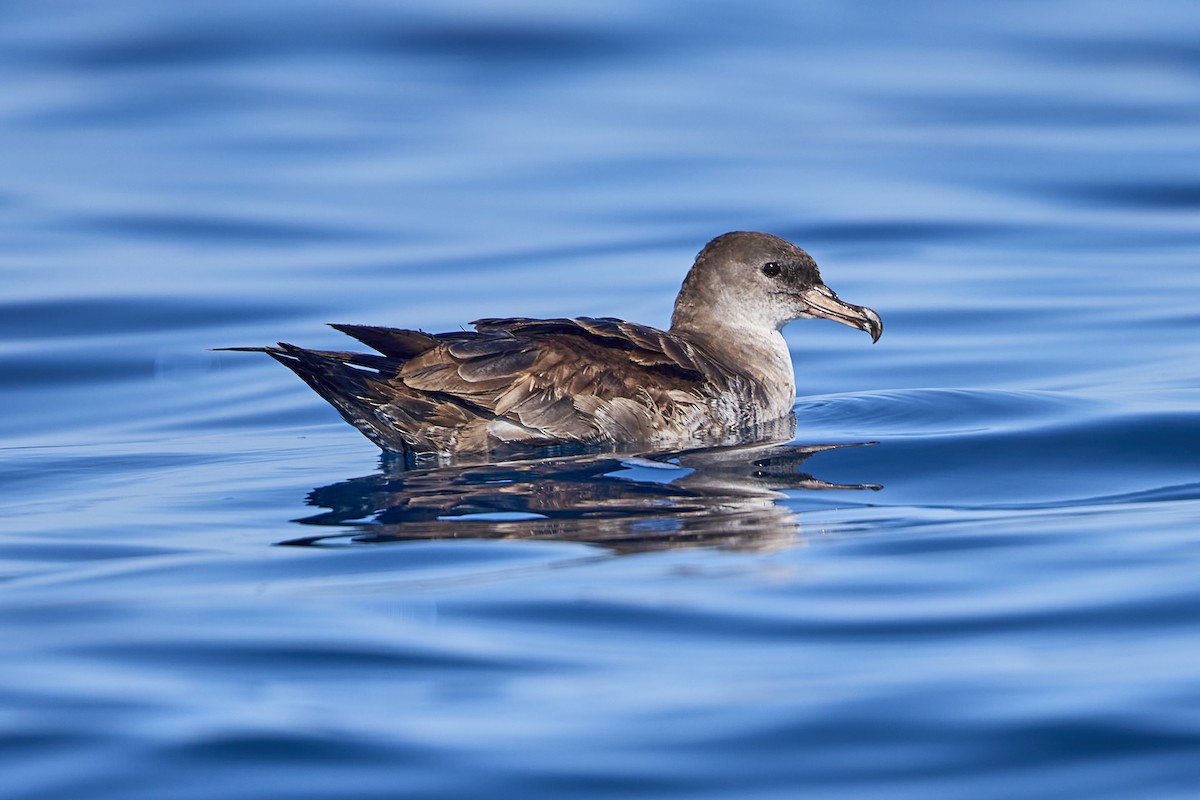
(757, 351)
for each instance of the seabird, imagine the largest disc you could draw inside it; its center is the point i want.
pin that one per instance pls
(720, 373)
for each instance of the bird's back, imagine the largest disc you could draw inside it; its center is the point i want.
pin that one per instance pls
(523, 381)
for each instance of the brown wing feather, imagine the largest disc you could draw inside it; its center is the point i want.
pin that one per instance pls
(573, 379)
(511, 379)
(393, 342)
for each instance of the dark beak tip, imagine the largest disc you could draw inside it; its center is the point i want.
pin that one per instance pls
(873, 325)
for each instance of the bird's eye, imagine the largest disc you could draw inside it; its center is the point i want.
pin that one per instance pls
(771, 269)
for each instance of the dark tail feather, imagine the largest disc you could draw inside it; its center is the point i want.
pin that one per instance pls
(245, 349)
(353, 383)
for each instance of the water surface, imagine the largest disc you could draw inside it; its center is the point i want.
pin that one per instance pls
(212, 586)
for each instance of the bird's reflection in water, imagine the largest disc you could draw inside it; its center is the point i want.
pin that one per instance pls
(726, 497)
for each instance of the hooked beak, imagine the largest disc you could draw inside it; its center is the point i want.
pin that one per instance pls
(820, 301)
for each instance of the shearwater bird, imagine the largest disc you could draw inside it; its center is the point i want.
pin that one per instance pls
(721, 372)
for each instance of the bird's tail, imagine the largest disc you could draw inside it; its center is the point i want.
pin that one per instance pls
(353, 383)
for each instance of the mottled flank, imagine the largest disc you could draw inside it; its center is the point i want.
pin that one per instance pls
(723, 369)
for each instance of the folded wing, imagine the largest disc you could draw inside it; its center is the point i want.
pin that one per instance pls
(511, 380)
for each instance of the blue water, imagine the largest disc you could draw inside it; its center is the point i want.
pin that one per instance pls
(211, 586)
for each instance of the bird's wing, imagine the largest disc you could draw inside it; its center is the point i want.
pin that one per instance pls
(569, 379)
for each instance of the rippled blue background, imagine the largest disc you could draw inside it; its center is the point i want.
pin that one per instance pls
(1014, 186)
